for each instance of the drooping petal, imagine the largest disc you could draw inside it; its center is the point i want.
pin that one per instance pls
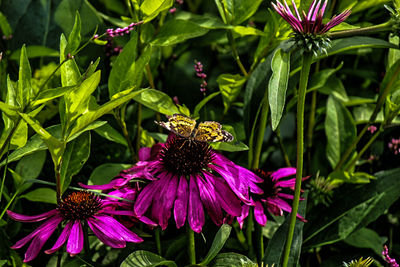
(105, 235)
(209, 199)
(116, 183)
(196, 212)
(41, 238)
(75, 241)
(259, 214)
(245, 213)
(123, 232)
(61, 239)
(35, 218)
(283, 172)
(181, 202)
(145, 198)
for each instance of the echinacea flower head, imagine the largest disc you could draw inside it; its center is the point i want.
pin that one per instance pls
(310, 31)
(74, 212)
(273, 199)
(187, 176)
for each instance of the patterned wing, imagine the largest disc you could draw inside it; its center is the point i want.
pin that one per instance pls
(211, 131)
(179, 124)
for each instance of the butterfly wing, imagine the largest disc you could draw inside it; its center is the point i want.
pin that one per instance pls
(211, 131)
(179, 125)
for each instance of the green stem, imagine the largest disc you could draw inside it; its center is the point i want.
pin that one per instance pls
(249, 233)
(10, 134)
(305, 71)
(260, 242)
(4, 173)
(139, 130)
(157, 233)
(86, 243)
(191, 245)
(235, 53)
(57, 170)
(125, 133)
(384, 27)
(283, 150)
(9, 204)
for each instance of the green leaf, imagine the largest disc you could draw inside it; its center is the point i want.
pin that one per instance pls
(201, 104)
(104, 173)
(69, 70)
(49, 94)
(76, 154)
(355, 207)
(230, 86)
(240, 10)
(244, 31)
(274, 251)
(77, 100)
(156, 100)
(122, 65)
(333, 86)
(9, 110)
(232, 260)
(90, 116)
(34, 51)
(391, 79)
(45, 195)
(277, 85)
(5, 26)
(176, 31)
(364, 4)
(92, 126)
(151, 8)
(394, 54)
(24, 80)
(56, 147)
(141, 258)
(366, 238)
(340, 130)
(320, 78)
(339, 177)
(20, 136)
(74, 38)
(111, 134)
(218, 243)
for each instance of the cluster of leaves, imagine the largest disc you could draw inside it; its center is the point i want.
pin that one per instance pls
(65, 98)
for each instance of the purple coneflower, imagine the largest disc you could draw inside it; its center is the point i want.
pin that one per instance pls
(74, 210)
(187, 176)
(273, 199)
(388, 259)
(309, 29)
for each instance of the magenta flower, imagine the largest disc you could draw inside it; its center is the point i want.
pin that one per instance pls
(74, 210)
(188, 176)
(388, 259)
(273, 199)
(310, 23)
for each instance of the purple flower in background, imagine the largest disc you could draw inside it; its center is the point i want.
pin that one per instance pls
(273, 199)
(388, 259)
(122, 31)
(394, 145)
(74, 210)
(188, 176)
(198, 67)
(310, 31)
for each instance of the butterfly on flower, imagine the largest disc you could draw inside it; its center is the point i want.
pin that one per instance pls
(207, 131)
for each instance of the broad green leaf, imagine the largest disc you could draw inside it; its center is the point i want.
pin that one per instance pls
(232, 260)
(355, 207)
(75, 155)
(231, 146)
(122, 65)
(136, 71)
(45, 195)
(108, 132)
(34, 51)
(277, 85)
(141, 258)
(394, 54)
(77, 100)
(90, 116)
(20, 135)
(92, 126)
(9, 114)
(69, 70)
(74, 38)
(230, 86)
(201, 104)
(56, 147)
(151, 8)
(8, 110)
(207, 21)
(156, 100)
(104, 173)
(24, 80)
(50, 94)
(366, 238)
(334, 86)
(320, 78)
(240, 10)
(339, 177)
(176, 31)
(365, 4)
(244, 31)
(218, 243)
(5, 26)
(340, 130)
(275, 248)
(391, 81)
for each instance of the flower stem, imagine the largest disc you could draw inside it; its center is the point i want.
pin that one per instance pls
(235, 53)
(191, 245)
(157, 233)
(384, 27)
(249, 233)
(305, 71)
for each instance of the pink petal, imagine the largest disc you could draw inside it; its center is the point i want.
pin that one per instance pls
(165, 201)
(259, 214)
(245, 213)
(61, 239)
(119, 229)
(283, 172)
(75, 240)
(196, 213)
(209, 200)
(181, 202)
(310, 10)
(105, 234)
(26, 218)
(145, 198)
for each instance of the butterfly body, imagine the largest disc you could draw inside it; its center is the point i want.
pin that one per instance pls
(207, 131)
